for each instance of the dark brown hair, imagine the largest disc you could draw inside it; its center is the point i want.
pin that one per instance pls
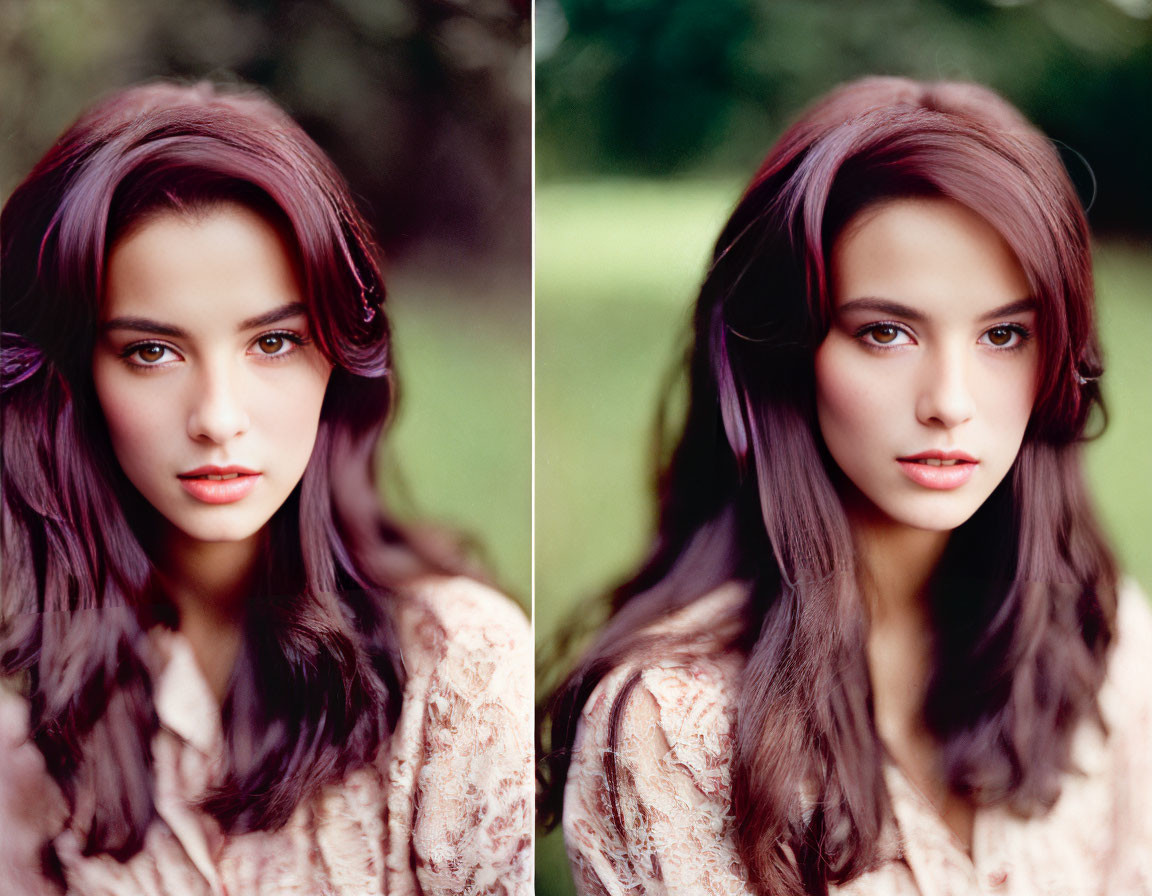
(317, 685)
(1023, 601)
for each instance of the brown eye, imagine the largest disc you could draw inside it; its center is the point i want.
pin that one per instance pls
(1000, 336)
(272, 344)
(150, 353)
(884, 334)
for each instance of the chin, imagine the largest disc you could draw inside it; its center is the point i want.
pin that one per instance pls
(227, 537)
(220, 532)
(933, 518)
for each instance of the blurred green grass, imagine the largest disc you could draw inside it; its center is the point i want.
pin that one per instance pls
(617, 266)
(459, 450)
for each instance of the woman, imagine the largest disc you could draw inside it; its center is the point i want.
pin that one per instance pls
(227, 670)
(878, 646)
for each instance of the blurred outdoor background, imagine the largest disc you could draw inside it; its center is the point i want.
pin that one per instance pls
(425, 106)
(651, 115)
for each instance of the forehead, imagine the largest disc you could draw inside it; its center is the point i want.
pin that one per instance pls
(222, 263)
(933, 254)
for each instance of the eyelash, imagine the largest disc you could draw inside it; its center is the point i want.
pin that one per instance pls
(1019, 330)
(296, 339)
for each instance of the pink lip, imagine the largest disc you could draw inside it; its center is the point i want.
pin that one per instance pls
(218, 491)
(943, 478)
(942, 455)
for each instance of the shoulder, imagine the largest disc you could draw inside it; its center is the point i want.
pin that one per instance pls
(1133, 622)
(661, 731)
(650, 810)
(1126, 698)
(681, 696)
(465, 737)
(31, 806)
(667, 711)
(467, 655)
(1111, 801)
(458, 618)
(24, 779)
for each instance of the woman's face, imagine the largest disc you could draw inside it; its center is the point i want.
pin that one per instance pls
(927, 377)
(205, 369)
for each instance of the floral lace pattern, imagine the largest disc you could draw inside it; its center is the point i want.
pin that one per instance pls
(674, 780)
(445, 808)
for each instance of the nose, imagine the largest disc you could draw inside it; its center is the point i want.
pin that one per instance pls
(945, 396)
(217, 411)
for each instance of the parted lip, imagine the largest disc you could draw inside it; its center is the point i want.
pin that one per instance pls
(960, 456)
(217, 471)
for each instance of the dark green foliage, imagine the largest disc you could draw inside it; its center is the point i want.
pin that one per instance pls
(667, 86)
(422, 104)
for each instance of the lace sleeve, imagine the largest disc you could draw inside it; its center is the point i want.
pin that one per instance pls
(1126, 702)
(31, 807)
(673, 831)
(473, 795)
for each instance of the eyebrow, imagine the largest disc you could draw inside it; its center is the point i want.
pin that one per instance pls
(274, 316)
(146, 325)
(896, 309)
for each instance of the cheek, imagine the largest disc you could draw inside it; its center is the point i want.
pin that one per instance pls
(136, 421)
(289, 413)
(849, 407)
(1011, 399)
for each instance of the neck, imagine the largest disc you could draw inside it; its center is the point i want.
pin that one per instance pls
(210, 584)
(894, 565)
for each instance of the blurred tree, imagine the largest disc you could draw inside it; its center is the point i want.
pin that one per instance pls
(423, 104)
(662, 86)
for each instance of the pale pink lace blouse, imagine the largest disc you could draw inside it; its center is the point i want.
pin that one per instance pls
(445, 809)
(675, 758)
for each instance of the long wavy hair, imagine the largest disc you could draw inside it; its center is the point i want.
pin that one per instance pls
(318, 682)
(1023, 602)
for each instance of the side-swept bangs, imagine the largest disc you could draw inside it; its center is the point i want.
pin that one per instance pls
(959, 141)
(163, 145)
